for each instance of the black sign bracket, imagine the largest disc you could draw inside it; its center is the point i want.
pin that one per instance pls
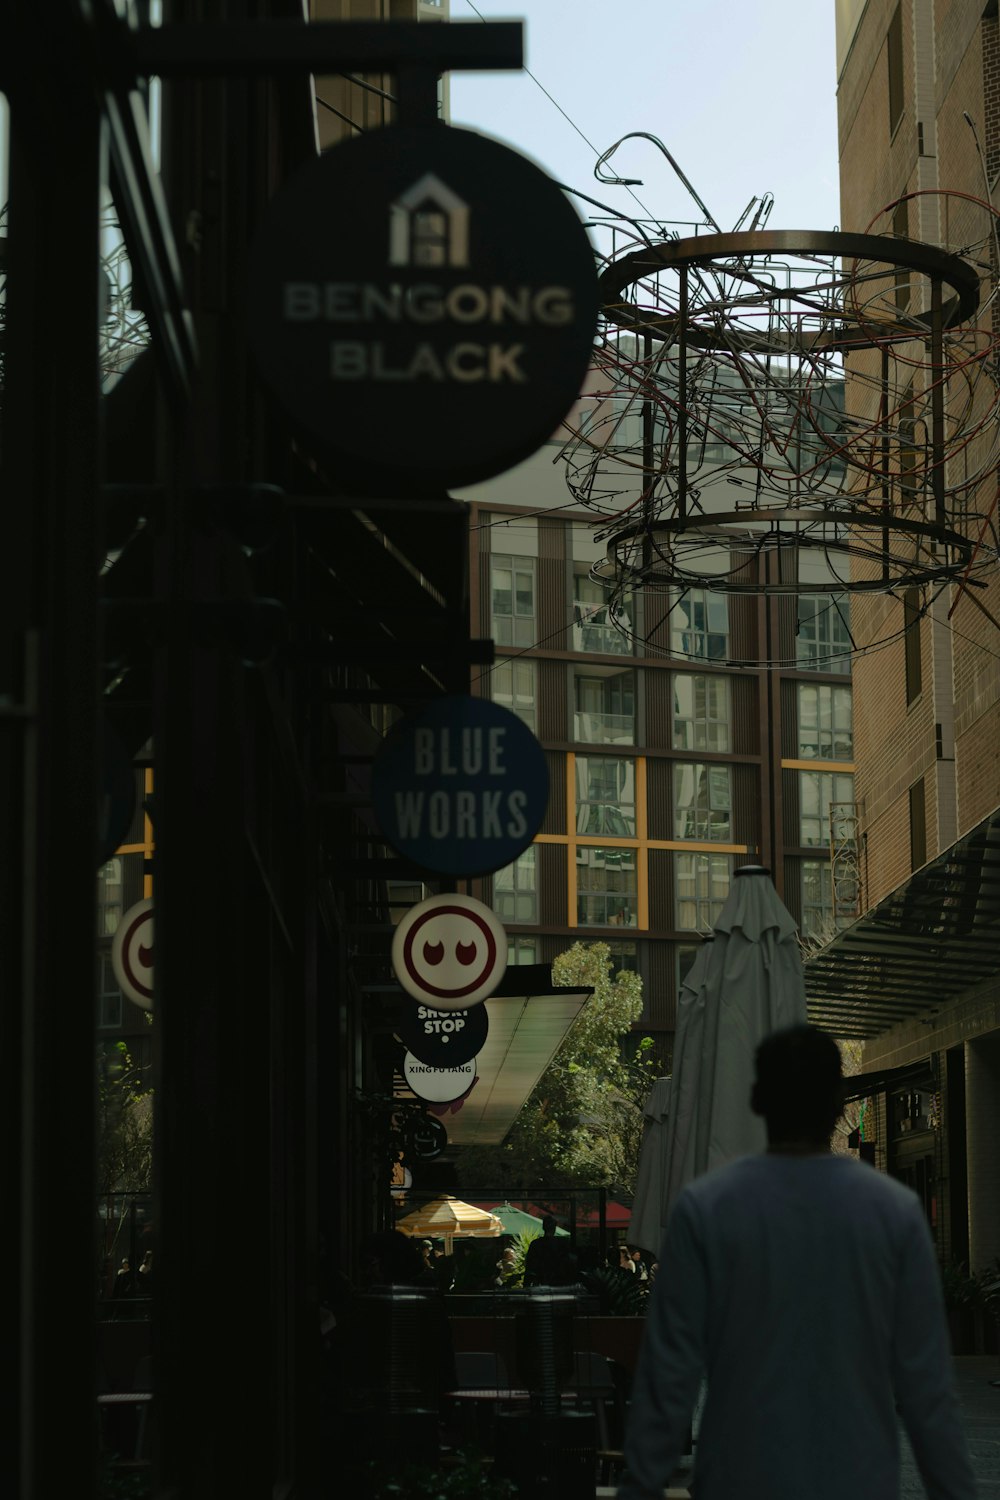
(415, 53)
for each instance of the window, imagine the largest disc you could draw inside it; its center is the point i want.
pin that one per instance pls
(401, 895)
(823, 641)
(702, 885)
(109, 999)
(825, 731)
(604, 708)
(514, 684)
(593, 629)
(522, 950)
(699, 625)
(513, 594)
(701, 712)
(816, 876)
(515, 898)
(429, 238)
(911, 643)
(605, 795)
(612, 422)
(702, 802)
(109, 897)
(894, 51)
(918, 825)
(606, 890)
(819, 433)
(710, 444)
(817, 790)
(623, 956)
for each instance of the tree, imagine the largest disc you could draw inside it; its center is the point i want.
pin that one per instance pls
(124, 1137)
(854, 1112)
(581, 1125)
(124, 1123)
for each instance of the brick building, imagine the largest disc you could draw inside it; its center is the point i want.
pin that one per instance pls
(916, 977)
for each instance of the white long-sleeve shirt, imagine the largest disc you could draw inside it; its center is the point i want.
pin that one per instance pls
(805, 1290)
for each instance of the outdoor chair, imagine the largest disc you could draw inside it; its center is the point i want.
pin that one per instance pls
(594, 1386)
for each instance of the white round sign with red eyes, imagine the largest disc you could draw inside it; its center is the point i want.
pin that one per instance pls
(132, 954)
(450, 952)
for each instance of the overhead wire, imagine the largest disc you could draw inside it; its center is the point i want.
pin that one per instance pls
(568, 118)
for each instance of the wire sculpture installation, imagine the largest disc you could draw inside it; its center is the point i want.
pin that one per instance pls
(786, 413)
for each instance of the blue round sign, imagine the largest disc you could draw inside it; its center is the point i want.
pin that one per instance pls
(461, 788)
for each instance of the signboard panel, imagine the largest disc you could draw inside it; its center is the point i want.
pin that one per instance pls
(449, 952)
(132, 954)
(429, 286)
(427, 1138)
(462, 787)
(438, 1085)
(444, 1038)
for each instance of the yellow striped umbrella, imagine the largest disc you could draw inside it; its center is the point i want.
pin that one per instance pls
(449, 1218)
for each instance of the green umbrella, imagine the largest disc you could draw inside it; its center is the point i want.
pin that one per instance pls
(516, 1221)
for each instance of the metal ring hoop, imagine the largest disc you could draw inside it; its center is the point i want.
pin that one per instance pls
(695, 527)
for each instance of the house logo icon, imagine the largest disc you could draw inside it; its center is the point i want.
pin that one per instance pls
(429, 226)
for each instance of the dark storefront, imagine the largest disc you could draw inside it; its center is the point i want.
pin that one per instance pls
(179, 566)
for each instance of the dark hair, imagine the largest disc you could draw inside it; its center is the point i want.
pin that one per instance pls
(799, 1086)
(548, 1224)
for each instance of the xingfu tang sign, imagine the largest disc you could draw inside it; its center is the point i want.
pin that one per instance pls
(423, 305)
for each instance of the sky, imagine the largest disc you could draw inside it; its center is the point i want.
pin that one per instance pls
(741, 92)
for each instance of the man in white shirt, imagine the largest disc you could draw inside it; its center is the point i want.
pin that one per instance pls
(803, 1286)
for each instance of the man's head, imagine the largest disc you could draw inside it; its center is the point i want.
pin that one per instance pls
(799, 1085)
(548, 1224)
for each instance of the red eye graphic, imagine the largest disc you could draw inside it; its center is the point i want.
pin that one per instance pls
(433, 952)
(465, 952)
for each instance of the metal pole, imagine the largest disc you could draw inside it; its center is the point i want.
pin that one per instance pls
(48, 777)
(682, 398)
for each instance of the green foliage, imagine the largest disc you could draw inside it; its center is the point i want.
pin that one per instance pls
(519, 1244)
(124, 1123)
(960, 1288)
(988, 1282)
(114, 1483)
(620, 1292)
(582, 1125)
(465, 1477)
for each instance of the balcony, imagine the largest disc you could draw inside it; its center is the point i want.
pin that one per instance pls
(591, 634)
(604, 729)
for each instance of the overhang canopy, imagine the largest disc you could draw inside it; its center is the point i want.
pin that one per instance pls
(529, 1019)
(933, 938)
(888, 1080)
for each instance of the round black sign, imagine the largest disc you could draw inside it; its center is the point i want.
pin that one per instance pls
(423, 303)
(444, 1038)
(427, 1138)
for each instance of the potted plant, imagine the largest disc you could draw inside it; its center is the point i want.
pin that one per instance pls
(465, 1475)
(989, 1302)
(961, 1299)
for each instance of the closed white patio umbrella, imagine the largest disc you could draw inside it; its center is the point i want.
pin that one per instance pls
(647, 1227)
(743, 985)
